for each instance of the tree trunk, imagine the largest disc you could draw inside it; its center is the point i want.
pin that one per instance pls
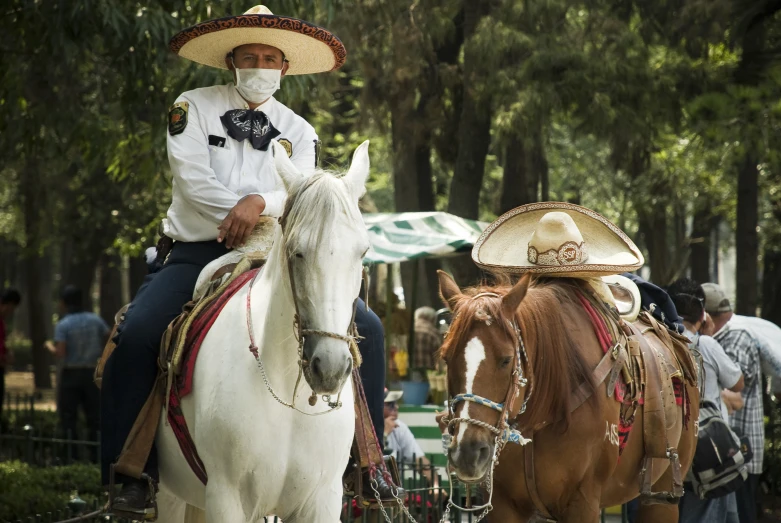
(771, 283)
(519, 183)
(746, 236)
(138, 271)
(702, 228)
(474, 137)
(33, 204)
(540, 162)
(110, 287)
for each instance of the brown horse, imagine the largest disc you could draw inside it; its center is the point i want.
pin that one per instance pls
(535, 342)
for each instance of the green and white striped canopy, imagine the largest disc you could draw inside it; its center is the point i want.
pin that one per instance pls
(398, 237)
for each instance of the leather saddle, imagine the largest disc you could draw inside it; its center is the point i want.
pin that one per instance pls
(657, 358)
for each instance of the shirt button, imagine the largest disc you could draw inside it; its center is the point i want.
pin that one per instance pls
(243, 173)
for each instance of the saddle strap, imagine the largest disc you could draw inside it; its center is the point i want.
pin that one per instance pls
(611, 364)
(531, 482)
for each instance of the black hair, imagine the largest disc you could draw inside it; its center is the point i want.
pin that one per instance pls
(10, 296)
(73, 299)
(689, 299)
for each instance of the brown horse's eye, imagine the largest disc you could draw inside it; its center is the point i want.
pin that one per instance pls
(506, 362)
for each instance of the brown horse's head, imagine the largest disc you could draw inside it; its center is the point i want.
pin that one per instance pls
(480, 350)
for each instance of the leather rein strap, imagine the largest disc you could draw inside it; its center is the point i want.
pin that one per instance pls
(301, 333)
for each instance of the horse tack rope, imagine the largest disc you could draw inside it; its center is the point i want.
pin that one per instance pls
(301, 334)
(503, 431)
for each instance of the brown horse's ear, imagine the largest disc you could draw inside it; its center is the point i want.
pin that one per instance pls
(512, 300)
(448, 289)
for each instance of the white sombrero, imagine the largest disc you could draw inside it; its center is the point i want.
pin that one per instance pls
(556, 239)
(308, 48)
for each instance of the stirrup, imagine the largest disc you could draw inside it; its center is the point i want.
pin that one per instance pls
(150, 513)
(665, 497)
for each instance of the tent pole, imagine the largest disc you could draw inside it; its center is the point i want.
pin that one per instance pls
(388, 316)
(411, 306)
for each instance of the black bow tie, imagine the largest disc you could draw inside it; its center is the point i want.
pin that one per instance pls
(255, 125)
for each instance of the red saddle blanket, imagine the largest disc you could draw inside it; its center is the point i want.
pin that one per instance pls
(183, 383)
(601, 330)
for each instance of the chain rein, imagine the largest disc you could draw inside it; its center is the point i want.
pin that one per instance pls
(301, 335)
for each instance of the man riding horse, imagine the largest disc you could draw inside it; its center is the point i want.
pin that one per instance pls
(224, 180)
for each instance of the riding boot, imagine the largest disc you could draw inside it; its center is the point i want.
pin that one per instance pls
(380, 490)
(134, 501)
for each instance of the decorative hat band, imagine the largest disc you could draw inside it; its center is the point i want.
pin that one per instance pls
(569, 253)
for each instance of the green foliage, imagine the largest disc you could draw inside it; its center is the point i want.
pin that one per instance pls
(31, 490)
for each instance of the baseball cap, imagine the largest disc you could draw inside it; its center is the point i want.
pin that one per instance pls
(392, 395)
(716, 300)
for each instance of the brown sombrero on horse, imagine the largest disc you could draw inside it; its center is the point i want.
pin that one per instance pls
(557, 406)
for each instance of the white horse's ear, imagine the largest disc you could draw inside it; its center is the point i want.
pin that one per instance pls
(285, 168)
(359, 171)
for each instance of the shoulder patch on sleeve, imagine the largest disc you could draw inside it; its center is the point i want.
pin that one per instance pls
(284, 142)
(177, 118)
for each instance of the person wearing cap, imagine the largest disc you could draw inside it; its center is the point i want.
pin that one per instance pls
(399, 440)
(720, 372)
(744, 349)
(224, 180)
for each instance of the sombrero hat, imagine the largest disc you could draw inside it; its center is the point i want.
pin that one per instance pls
(308, 48)
(556, 239)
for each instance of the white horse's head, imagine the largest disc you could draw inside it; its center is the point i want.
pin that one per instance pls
(325, 240)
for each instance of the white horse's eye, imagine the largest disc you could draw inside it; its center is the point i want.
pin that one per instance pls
(299, 255)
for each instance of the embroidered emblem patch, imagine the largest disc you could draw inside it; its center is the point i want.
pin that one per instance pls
(177, 118)
(284, 142)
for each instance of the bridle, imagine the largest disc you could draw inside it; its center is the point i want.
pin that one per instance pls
(503, 431)
(301, 333)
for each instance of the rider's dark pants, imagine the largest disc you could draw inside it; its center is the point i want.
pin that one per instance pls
(372, 370)
(131, 370)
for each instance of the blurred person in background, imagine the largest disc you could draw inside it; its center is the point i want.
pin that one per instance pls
(427, 338)
(401, 443)
(744, 349)
(720, 372)
(9, 301)
(79, 338)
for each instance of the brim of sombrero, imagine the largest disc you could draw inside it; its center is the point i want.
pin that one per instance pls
(309, 48)
(503, 246)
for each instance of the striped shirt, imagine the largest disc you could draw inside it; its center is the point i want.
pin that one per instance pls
(743, 348)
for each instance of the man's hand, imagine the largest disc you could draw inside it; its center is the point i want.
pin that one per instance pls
(733, 400)
(237, 226)
(390, 424)
(708, 328)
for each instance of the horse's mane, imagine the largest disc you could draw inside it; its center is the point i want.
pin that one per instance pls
(318, 199)
(558, 366)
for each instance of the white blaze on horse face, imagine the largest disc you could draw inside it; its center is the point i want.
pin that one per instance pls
(474, 354)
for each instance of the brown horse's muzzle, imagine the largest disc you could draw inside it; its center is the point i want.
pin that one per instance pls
(471, 459)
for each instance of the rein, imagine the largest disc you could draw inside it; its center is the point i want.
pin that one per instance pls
(301, 333)
(503, 431)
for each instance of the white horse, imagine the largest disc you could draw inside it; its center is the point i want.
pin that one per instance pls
(263, 457)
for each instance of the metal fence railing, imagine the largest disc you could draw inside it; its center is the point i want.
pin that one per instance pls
(34, 437)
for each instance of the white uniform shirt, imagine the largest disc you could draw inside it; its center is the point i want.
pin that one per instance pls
(208, 180)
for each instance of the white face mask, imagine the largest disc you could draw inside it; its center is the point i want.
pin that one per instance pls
(257, 85)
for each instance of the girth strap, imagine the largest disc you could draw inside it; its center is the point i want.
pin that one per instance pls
(531, 482)
(610, 365)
